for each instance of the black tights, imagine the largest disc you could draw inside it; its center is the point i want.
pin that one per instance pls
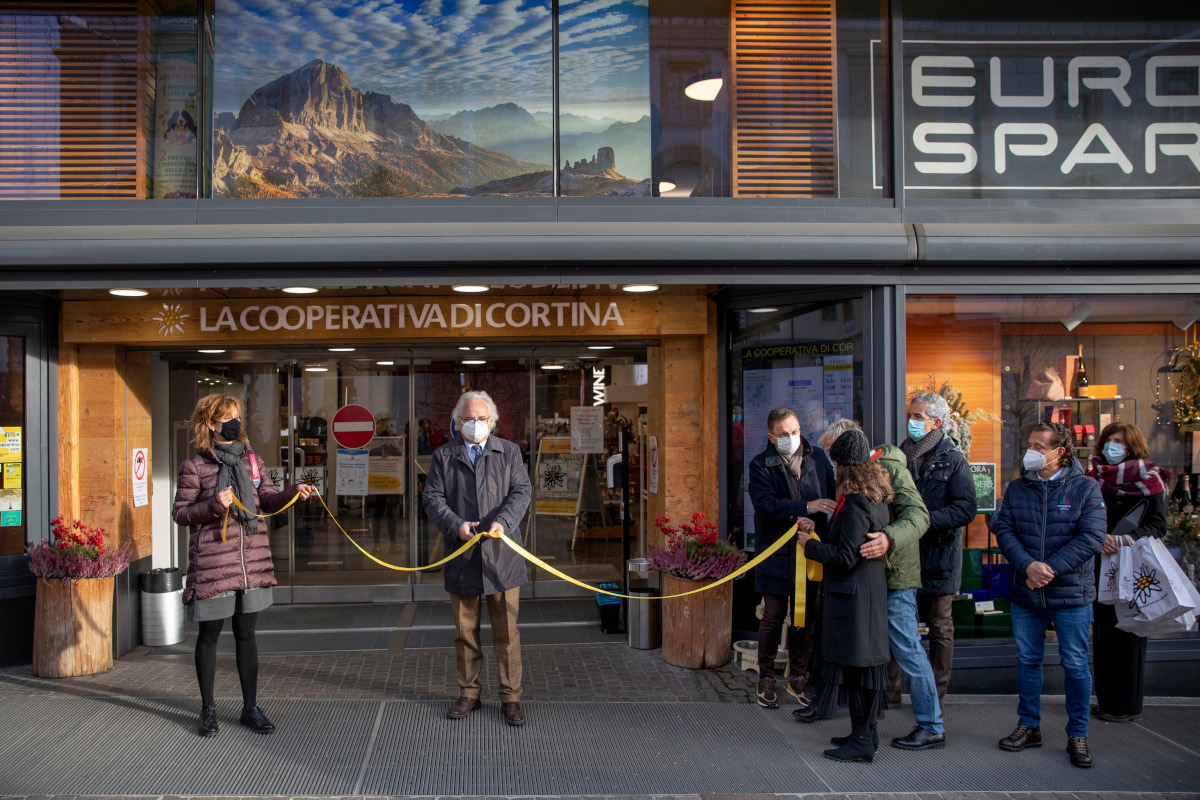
(864, 708)
(247, 657)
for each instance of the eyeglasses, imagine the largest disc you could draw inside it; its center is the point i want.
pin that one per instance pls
(484, 420)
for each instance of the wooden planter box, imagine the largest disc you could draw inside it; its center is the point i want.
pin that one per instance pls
(72, 629)
(697, 630)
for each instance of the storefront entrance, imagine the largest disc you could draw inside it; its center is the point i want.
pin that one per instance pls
(290, 402)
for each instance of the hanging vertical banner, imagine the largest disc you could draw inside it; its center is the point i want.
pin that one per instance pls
(139, 466)
(652, 448)
(587, 429)
(176, 134)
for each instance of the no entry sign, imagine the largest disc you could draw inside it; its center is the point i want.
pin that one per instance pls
(353, 426)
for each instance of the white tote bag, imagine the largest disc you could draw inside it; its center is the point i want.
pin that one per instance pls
(1162, 594)
(1116, 577)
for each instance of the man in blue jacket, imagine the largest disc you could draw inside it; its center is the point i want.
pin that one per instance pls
(1050, 527)
(788, 480)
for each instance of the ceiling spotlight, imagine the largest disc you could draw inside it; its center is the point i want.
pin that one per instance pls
(552, 366)
(469, 288)
(600, 347)
(1078, 313)
(211, 352)
(665, 186)
(300, 290)
(474, 361)
(385, 363)
(341, 349)
(705, 87)
(640, 287)
(763, 310)
(128, 292)
(316, 369)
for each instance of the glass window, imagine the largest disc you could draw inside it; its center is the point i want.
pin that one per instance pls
(84, 116)
(365, 99)
(12, 446)
(1086, 361)
(1098, 103)
(806, 357)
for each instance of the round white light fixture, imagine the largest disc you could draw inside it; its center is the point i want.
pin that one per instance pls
(128, 292)
(211, 352)
(385, 363)
(469, 288)
(763, 310)
(300, 290)
(600, 347)
(640, 287)
(316, 369)
(665, 186)
(552, 366)
(342, 349)
(474, 361)
(705, 90)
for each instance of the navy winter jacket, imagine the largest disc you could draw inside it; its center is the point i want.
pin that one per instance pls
(774, 510)
(948, 491)
(1060, 523)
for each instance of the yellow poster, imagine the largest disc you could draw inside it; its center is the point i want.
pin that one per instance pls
(10, 445)
(12, 476)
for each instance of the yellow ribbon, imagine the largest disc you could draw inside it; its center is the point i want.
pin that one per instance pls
(805, 571)
(238, 503)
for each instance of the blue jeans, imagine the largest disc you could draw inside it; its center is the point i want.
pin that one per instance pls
(908, 653)
(1071, 625)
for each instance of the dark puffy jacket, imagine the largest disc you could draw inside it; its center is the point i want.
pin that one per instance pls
(774, 510)
(495, 489)
(948, 490)
(239, 562)
(1060, 523)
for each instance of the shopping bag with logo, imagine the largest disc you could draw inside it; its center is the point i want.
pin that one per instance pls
(1161, 592)
(1116, 577)
(1129, 620)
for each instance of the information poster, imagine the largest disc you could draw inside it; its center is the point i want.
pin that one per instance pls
(587, 429)
(139, 466)
(353, 469)
(386, 465)
(10, 507)
(12, 476)
(10, 445)
(984, 476)
(558, 485)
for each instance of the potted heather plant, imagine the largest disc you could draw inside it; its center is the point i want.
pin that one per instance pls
(72, 631)
(698, 628)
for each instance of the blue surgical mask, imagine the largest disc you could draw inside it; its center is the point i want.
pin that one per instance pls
(1114, 453)
(916, 430)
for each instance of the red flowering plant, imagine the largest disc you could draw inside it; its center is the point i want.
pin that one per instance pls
(694, 551)
(76, 552)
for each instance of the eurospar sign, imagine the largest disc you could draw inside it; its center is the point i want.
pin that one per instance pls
(1063, 116)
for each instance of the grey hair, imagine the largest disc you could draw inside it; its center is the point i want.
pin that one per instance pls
(936, 407)
(466, 397)
(836, 429)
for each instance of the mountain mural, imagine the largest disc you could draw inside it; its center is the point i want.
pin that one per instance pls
(311, 134)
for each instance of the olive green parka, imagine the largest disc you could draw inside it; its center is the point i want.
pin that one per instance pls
(910, 520)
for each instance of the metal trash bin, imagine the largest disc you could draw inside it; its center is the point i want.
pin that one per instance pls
(162, 606)
(643, 620)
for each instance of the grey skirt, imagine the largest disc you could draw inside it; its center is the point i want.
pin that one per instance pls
(227, 604)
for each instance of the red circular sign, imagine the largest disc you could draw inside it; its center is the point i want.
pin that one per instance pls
(353, 426)
(139, 465)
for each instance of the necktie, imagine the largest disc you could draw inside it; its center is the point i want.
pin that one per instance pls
(476, 452)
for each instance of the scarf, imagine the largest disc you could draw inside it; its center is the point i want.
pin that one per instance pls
(1133, 476)
(793, 467)
(232, 472)
(915, 452)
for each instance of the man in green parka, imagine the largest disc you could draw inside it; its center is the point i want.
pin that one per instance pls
(900, 542)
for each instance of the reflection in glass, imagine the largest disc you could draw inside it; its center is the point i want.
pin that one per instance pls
(12, 449)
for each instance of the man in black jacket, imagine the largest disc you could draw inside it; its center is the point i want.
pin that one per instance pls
(788, 480)
(943, 478)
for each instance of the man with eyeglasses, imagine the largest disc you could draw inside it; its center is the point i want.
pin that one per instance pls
(478, 482)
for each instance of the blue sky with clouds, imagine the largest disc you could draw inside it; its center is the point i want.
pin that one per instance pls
(441, 56)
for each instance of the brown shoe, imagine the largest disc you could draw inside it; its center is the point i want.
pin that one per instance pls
(1022, 737)
(766, 693)
(464, 706)
(513, 714)
(1077, 748)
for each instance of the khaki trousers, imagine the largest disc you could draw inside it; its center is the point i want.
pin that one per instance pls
(502, 611)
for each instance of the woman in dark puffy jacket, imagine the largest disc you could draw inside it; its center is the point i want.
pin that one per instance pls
(229, 572)
(1134, 489)
(1050, 527)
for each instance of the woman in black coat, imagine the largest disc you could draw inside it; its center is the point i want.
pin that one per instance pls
(851, 660)
(1132, 485)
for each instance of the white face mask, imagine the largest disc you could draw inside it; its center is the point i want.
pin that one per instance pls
(1033, 460)
(786, 445)
(475, 431)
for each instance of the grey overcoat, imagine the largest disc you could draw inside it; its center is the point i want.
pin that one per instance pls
(496, 488)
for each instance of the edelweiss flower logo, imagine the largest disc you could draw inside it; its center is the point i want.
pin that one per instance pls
(1111, 575)
(1145, 585)
(170, 319)
(553, 476)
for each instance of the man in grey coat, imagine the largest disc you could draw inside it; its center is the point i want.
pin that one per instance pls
(478, 482)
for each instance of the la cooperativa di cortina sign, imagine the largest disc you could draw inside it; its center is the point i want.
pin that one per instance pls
(176, 321)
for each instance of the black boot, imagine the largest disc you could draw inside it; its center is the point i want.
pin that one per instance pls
(838, 741)
(255, 720)
(859, 748)
(208, 720)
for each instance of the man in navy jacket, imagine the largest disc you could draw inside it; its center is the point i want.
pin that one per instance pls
(1051, 527)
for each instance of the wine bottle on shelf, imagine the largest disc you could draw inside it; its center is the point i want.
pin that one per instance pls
(1081, 378)
(1181, 497)
(1195, 495)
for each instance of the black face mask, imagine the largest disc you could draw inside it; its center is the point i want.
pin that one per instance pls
(231, 430)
